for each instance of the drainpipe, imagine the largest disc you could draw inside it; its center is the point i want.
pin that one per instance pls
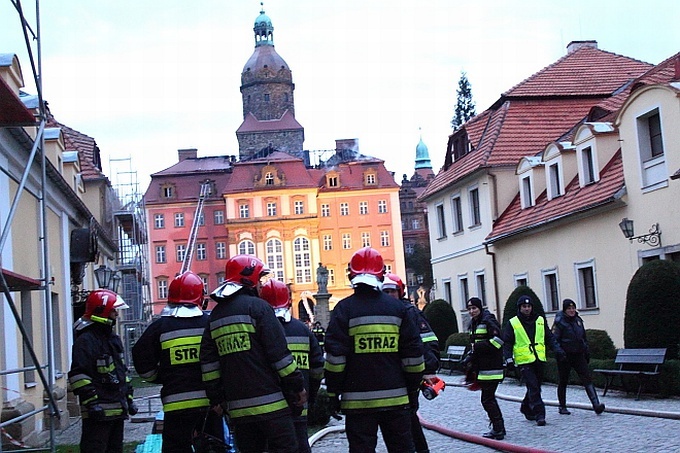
(499, 315)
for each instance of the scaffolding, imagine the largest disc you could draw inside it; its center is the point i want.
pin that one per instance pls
(132, 260)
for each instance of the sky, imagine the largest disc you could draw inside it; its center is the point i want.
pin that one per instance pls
(146, 78)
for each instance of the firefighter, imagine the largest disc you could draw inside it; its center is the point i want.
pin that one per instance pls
(320, 334)
(167, 353)
(374, 359)
(304, 347)
(394, 286)
(247, 367)
(98, 375)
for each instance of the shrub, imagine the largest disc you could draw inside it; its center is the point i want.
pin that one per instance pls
(600, 344)
(442, 319)
(510, 309)
(652, 311)
(457, 339)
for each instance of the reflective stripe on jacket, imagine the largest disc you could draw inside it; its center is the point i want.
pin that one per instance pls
(524, 351)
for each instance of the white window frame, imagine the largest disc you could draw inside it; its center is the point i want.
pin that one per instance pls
(581, 285)
(302, 258)
(274, 258)
(480, 286)
(271, 209)
(346, 241)
(475, 209)
(162, 288)
(244, 210)
(382, 206)
(328, 242)
(447, 291)
(201, 252)
(180, 252)
(554, 178)
(299, 207)
(653, 171)
(161, 256)
(366, 239)
(384, 238)
(457, 214)
(463, 290)
(363, 208)
(588, 166)
(526, 190)
(159, 221)
(441, 220)
(179, 219)
(550, 304)
(218, 217)
(246, 247)
(518, 278)
(325, 210)
(344, 209)
(220, 250)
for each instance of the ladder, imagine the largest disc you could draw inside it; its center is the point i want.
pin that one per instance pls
(191, 244)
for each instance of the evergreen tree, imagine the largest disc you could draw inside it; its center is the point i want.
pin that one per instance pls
(465, 106)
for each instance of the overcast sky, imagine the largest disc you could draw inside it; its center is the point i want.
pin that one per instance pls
(146, 78)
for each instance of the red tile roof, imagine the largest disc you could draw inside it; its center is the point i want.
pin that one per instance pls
(587, 71)
(88, 151)
(287, 122)
(576, 200)
(538, 111)
(293, 168)
(187, 177)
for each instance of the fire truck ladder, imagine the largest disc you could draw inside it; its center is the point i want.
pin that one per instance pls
(191, 245)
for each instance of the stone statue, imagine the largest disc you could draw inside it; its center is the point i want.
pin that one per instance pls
(322, 278)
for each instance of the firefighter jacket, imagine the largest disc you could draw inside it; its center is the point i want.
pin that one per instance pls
(487, 347)
(167, 353)
(430, 342)
(246, 364)
(98, 374)
(308, 355)
(374, 354)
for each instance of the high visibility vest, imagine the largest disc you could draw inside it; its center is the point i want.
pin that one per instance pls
(523, 350)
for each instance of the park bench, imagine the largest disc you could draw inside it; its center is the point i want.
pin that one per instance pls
(640, 363)
(454, 354)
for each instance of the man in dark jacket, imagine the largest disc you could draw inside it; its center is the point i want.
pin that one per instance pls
(525, 338)
(98, 375)
(570, 333)
(167, 353)
(247, 366)
(487, 360)
(394, 286)
(374, 359)
(304, 347)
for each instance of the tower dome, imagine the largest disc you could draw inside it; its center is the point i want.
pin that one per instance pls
(422, 155)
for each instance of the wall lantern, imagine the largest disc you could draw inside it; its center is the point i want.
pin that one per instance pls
(653, 238)
(103, 276)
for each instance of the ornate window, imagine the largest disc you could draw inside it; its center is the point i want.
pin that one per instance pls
(246, 247)
(303, 260)
(274, 249)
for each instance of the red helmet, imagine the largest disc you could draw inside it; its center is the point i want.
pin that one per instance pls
(275, 293)
(392, 281)
(366, 266)
(100, 303)
(244, 270)
(186, 289)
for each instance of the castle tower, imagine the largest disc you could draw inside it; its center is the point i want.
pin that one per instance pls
(268, 103)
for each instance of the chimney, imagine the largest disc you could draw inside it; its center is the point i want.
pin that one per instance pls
(189, 153)
(576, 45)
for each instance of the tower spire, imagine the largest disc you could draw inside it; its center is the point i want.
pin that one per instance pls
(422, 154)
(264, 30)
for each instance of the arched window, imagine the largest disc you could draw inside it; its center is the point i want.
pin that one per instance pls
(246, 248)
(274, 249)
(303, 260)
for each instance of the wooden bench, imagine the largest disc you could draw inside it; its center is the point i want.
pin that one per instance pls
(454, 354)
(641, 363)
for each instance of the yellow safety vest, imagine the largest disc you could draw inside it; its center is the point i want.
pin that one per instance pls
(523, 350)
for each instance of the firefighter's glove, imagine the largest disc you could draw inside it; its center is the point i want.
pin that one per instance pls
(296, 401)
(132, 407)
(95, 413)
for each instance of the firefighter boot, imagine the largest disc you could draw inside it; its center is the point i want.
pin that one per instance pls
(592, 394)
(497, 429)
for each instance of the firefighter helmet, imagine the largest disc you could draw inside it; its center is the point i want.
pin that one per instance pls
(366, 266)
(186, 289)
(100, 303)
(241, 271)
(275, 293)
(392, 281)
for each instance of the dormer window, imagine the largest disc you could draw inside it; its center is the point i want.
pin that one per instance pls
(650, 142)
(588, 172)
(168, 191)
(269, 179)
(332, 180)
(269, 176)
(526, 192)
(554, 181)
(370, 178)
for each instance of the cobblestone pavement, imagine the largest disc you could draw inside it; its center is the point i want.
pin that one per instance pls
(459, 409)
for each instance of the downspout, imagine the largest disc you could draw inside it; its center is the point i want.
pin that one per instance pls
(495, 279)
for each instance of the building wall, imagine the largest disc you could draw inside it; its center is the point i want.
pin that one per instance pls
(250, 143)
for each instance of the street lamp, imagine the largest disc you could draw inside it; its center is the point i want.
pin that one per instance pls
(103, 276)
(115, 281)
(653, 238)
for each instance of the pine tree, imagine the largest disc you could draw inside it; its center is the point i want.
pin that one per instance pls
(465, 106)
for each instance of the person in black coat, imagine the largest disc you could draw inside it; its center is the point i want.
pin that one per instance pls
(570, 333)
